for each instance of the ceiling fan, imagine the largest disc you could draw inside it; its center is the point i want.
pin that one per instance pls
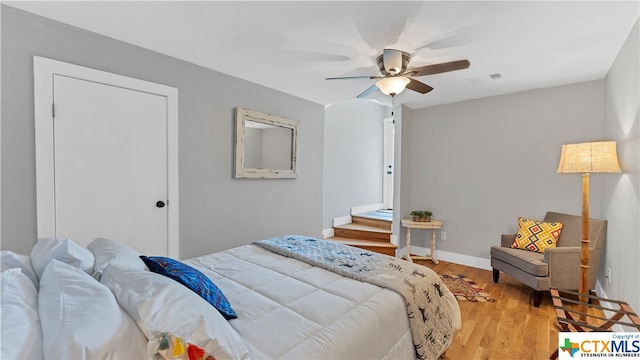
(395, 76)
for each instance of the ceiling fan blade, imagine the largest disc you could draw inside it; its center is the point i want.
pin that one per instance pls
(438, 68)
(367, 92)
(418, 86)
(392, 60)
(351, 77)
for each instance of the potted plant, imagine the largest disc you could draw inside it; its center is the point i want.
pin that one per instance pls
(417, 215)
(421, 215)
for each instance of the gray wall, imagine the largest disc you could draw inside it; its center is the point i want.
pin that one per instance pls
(621, 192)
(480, 164)
(216, 210)
(353, 157)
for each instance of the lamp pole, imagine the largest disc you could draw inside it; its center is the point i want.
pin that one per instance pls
(584, 250)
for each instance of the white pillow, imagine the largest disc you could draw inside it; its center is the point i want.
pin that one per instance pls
(81, 318)
(21, 335)
(107, 251)
(64, 250)
(10, 260)
(161, 306)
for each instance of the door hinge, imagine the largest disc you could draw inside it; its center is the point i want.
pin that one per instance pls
(53, 110)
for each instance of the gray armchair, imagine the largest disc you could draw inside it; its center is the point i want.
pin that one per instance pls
(558, 267)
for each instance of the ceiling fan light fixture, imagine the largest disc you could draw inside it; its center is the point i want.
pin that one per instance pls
(392, 85)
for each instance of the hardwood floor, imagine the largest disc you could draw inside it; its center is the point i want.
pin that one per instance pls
(510, 328)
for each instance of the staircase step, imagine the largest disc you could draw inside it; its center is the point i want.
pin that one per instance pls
(364, 220)
(375, 246)
(378, 214)
(362, 232)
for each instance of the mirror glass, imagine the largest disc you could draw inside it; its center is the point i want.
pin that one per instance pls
(265, 145)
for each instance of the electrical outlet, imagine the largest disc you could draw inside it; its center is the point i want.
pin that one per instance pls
(443, 235)
(609, 275)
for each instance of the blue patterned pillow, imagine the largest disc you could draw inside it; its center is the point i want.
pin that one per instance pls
(193, 279)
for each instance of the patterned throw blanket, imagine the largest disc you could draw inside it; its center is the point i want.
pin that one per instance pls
(428, 299)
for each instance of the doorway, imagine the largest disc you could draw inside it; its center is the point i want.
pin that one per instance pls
(388, 171)
(106, 158)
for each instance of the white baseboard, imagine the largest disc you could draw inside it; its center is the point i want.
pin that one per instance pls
(466, 260)
(341, 220)
(327, 233)
(599, 289)
(394, 240)
(366, 208)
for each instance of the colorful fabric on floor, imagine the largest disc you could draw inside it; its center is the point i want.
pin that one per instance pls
(464, 289)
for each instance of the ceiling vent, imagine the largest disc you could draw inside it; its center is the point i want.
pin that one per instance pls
(485, 78)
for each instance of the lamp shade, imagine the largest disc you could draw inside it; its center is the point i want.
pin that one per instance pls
(392, 85)
(591, 157)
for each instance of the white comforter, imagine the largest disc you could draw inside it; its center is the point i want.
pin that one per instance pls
(291, 310)
(286, 308)
(431, 308)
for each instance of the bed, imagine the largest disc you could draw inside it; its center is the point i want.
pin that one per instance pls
(290, 297)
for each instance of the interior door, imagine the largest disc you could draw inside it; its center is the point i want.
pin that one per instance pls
(110, 164)
(106, 158)
(387, 176)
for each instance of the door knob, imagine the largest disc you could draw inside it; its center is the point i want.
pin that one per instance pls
(160, 204)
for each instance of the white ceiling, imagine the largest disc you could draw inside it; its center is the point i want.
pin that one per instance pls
(292, 46)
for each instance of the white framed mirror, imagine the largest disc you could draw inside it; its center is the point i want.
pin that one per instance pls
(266, 146)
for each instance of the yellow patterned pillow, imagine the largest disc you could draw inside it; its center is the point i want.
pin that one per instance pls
(536, 235)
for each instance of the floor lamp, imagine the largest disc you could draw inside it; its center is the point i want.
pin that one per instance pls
(586, 158)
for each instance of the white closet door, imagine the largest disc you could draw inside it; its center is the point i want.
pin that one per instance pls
(110, 156)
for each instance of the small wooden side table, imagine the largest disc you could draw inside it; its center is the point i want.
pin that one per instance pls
(432, 225)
